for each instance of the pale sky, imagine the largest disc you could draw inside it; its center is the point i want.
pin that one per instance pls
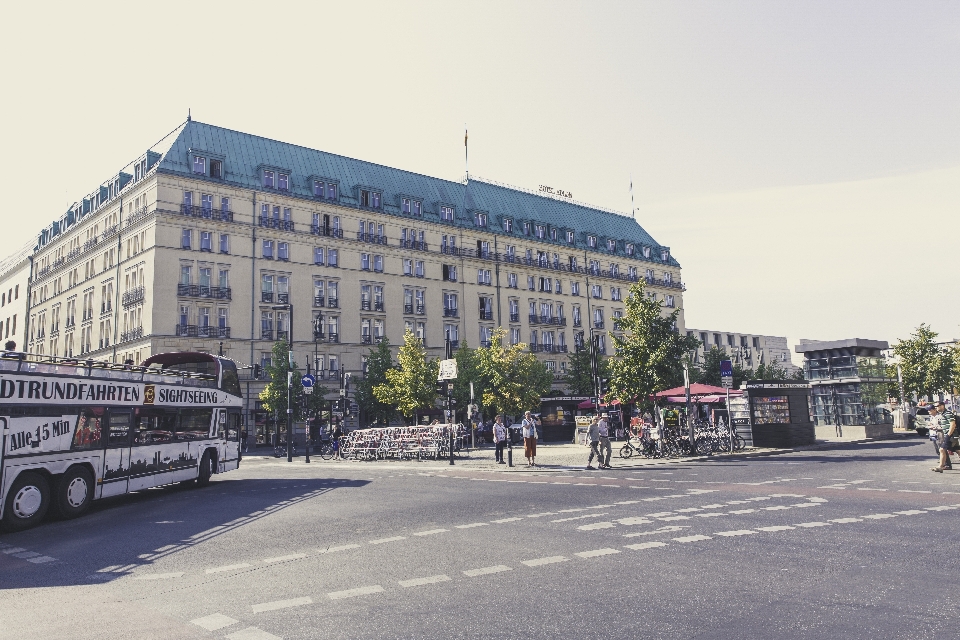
(802, 160)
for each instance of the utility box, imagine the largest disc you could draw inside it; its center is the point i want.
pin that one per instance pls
(780, 413)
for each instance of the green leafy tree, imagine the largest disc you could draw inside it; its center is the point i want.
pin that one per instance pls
(274, 395)
(579, 379)
(772, 371)
(515, 379)
(412, 384)
(926, 366)
(467, 372)
(379, 361)
(708, 372)
(651, 353)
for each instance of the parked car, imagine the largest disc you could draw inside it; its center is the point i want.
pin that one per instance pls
(923, 421)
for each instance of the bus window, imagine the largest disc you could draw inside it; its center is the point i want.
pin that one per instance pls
(87, 434)
(233, 427)
(194, 424)
(154, 425)
(229, 380)
(119, 433)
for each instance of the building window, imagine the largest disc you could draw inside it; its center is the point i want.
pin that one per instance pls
(419, 269)
(629, 248)
(268, 249)
(756, 343)
(446, 213)
(199, 165)
(283, 251)
(365, 261)
(553, 234)
(283, 182)
(531, 283)
(646, 252)
(449, 272)
(559, 289)
(569, 237)
(541, 231)
(269, 179)
(407, 267)
(332, 257)
(596, 291)
(669, 302)
(665, 255)
(216, 169)
(574, 288)
(206, 241)
(480, 219)
(378, 263)
(615, 293)
(318, 188)
(592, 242)
(483, 276)
(512, 280)
(514, 335)
(318, 255)
(405, 205)
(508, 225)
(611, 245)
(186, 238)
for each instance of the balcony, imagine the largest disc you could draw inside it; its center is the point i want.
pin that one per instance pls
(133, 296)
(266, 296)
(514, 317)
(547, 348)
(283, 298)
(332, 303)
(535, 348)
(454, 344)
(577, 322)
(533, 319)
(275, 223)
(598, 324)
(408, 308)
(366, 339)
(371, 237)
(450, 251)
(330, 232)
(485, 344)
(546, 319)
(199, 291)
(379, 339)
(421, 309)
(378, 305)
(133, 334)
(266, 334)
(318, 336)
(283, 334)
(318, 301)
(451, 313)
(209, 214)
(486, 315)
(333, 337)
(365, 305)
(419, 245)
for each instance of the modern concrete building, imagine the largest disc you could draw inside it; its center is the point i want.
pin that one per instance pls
(746, 349)
(199, 242)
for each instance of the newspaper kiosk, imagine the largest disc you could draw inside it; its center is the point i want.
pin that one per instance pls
(780, 413)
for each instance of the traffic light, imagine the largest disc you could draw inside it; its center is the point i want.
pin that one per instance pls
(604, 385)
(257, 372)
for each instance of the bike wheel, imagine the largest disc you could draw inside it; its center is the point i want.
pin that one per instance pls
(739, 443)
(626, 451)
(326, 450)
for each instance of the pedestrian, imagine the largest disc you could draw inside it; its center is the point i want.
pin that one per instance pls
(528, 428)
(946, 424)
(243, 438)
(499, 438)
(603, 427)
(337, 434)
(593, 437)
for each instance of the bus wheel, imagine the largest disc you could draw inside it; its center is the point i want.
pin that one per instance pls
(27, 501)
(74, 492)
(206, 469)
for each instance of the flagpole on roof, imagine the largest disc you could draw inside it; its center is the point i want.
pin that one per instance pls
(633, 208)
(466, 155)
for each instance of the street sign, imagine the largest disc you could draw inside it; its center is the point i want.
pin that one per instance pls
(308, 390)
(338, 414)
(448, 370)
(308, 381)
(726, 374)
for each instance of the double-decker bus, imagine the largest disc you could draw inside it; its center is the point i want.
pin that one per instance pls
(77, 431)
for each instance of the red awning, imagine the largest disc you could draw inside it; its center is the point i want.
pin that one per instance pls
(713, 399)
(696, 389)
(586, 404)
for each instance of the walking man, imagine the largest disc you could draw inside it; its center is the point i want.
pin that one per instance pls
(603, 428)
(947, 425)
(528, 429)
(499, 438)
(593, 437)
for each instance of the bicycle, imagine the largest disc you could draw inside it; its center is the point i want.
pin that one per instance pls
(280, 451)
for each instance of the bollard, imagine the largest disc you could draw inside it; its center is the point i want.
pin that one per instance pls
(451, 444)
(509, 449)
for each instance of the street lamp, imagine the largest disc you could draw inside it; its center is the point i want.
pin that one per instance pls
(289, 307)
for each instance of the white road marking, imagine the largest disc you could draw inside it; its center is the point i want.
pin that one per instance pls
(629, 502)
(801, 505)
(473, 573)
(353, 593)
(741, 511)
(813, 524)
(880, 516)
(708, 515)
(689, 510)
(292, 556)
(632, 521)
(41, 560)
(417, 582)
(385, 540)
(431, 532)
(776, 528)
(228, 567)
(777, 508)
(214, 622)
(646, 545)
(596, 553)
(13, 550)
(539, 562)
(26, 554)
(817, 500)
(670, 518)
(737, 532)
(911, 512)
(474, 524)
(660, 514)
(253, 633)
(503, 520)
(692, 538)
(343, 547)
(595, 525)
(589, 515)
(160, 576)
(945, 507)
(540, 515)
(846, 520)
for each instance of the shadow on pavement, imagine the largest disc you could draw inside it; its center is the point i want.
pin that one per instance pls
(120, 534)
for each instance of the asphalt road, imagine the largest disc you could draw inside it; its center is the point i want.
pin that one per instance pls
(852, 542)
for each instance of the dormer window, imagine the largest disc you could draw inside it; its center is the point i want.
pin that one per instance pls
(216, 169)
(322, 189)
(200, 165)
(664, 254)
(283, 182)
(570, 237)
(318, 189)
(508, 225)
(611, 245)
(646, 252)
(526, 228)
(417, 208)
(446, 213)
(541, 231)
(269, 179)
(592, 242)
(405, 205)
(369, 199)
(480, 219)
(629, 248)
(553, 234)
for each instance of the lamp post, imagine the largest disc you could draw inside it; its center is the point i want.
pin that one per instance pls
(289, 307)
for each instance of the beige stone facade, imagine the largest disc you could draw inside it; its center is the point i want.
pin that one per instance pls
(746, 349)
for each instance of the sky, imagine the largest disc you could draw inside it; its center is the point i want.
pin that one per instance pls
(802, 160)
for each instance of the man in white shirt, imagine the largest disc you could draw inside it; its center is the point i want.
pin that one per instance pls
(603, 427)
(499, 438)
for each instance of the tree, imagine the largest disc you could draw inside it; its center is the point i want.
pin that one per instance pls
(514, 379)
(379, 361)
(709, 371)
(926, 366)
(579, 379)
(772, 371)
(467, 372)
(412, 384)
(651, 352)
(274, 395)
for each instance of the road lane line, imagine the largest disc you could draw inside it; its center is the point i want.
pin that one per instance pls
(417, 582)
(846, 520)
(353, 593)
(472, 573)
(504, 520)
(539, 562)
(160, 576)
(474, 524)
(692, 538)
(742, 511)
(385, 540)
(880, 516)
(776, 528)
(813, 524)
(597, 553)
(292, 556)
(342, 547)
(737, 532)
(589, 515)
(26, 554)
(646, 545)
(228, 567)
(911, 512)
(252, 633)
(281, 604)
(431, 532)
(635, 520)
(214, 622)
(41, 560)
